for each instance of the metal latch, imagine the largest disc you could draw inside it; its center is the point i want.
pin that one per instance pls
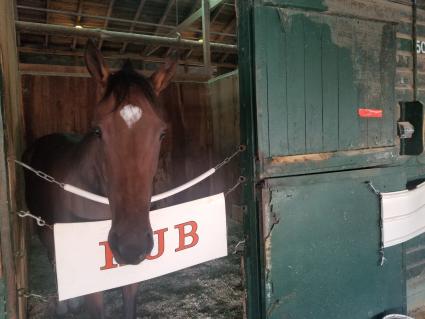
(405, 129)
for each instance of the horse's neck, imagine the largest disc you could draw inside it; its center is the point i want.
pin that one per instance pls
(88, 166)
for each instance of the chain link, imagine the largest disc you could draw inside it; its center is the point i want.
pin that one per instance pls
(240, 181)
(241, 149)
(40, 174)
(39, 220)
(24, 294)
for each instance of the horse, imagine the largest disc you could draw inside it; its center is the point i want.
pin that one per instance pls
(117, 158)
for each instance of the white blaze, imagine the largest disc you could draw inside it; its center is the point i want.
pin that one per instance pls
(131, 114)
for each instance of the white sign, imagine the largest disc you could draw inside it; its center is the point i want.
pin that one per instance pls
(184, 235)
(403, 215)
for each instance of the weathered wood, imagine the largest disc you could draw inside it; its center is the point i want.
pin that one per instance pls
(11, 229)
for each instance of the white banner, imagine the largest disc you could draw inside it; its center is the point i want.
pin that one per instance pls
(403, 215)
(184, 235)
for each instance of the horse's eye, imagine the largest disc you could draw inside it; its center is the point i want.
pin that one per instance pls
(97, 131)
(162, 135)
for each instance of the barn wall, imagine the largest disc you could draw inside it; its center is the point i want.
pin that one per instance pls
(203, 126)
(12, 229)
(224, 97)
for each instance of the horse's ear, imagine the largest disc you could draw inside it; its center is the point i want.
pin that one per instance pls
(96, 63)
(162, 77)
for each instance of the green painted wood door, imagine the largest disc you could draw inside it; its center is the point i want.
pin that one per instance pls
(322, 247)
(312, 223)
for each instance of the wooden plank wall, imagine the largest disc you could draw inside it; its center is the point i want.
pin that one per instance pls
(203, 126)
(13, 273)
(224, 97)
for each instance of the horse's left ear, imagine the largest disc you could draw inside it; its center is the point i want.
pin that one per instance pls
(162, 77)
(95, 63)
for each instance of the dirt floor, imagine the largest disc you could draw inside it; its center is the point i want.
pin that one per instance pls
(210, 290)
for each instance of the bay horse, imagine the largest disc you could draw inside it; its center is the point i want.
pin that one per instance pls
(118, 159)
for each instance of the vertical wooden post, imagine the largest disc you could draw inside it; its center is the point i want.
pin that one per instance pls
(206, 35)
(12, 232)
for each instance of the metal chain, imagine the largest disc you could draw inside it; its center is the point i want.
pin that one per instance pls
(51, 179)
(24, 294)
(240, 246)
(241, 149)
(40, 174)
(240, 181)
(40, 221)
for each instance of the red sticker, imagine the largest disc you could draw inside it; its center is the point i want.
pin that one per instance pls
(371, 113)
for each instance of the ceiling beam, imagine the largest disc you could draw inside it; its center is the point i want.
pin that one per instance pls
(106, 22)
(161, 22)
(228, 27)
(117, 56)
(196, 15)
(134, 22)
(91, 16)
(115, 36)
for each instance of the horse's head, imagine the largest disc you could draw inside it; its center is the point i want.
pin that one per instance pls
(130, 128)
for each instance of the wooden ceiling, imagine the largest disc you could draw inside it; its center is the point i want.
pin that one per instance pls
(165, 18)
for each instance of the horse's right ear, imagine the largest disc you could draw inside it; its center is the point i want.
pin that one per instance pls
(96, 63)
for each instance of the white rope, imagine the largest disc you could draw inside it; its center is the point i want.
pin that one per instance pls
(104, 200)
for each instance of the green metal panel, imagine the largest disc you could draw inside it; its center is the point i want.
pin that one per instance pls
(322, 247)
(313, 73)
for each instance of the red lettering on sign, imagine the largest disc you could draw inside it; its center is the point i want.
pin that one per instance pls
(161, 243)
(182, 235)
(191, 228)
(109, 257)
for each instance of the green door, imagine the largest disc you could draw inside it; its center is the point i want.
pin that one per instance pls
(312, 222)
(322, 247)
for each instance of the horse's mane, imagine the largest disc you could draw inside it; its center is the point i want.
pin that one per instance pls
(119, 84)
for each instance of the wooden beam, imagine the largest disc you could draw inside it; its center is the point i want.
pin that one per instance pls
(77, 22)
(117, 56)
(190, 20)
(226, 29)
(195, 16)
(11, 144)
(164, 16)
(217, 12)
(206, 48)
(106, 22)
(134, 22)
(80, 71)
(92, 16)
(32, 27)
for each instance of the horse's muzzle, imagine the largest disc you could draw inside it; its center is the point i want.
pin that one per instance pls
(130, 249)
